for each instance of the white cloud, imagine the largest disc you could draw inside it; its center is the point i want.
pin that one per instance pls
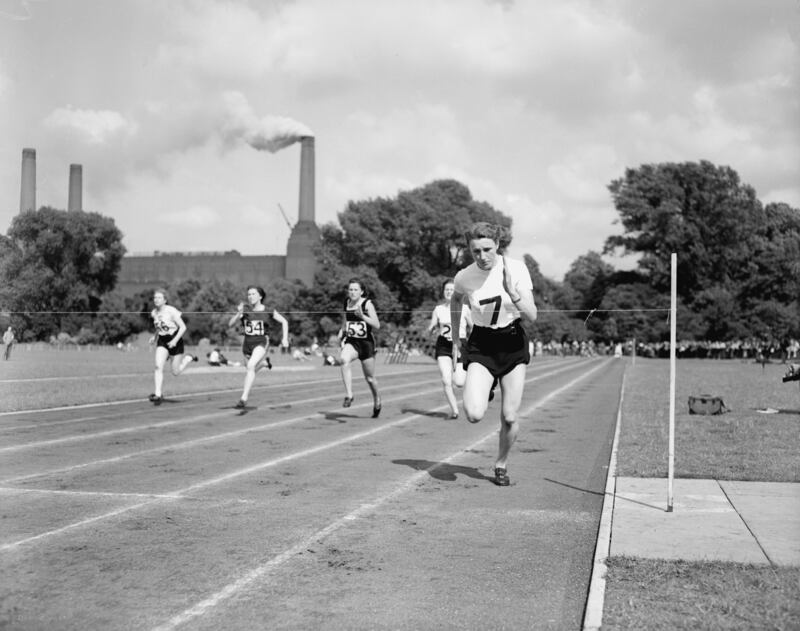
(191, 218)
(584, 174)
(94, 126)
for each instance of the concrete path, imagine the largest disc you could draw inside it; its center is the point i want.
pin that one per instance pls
(747, 522)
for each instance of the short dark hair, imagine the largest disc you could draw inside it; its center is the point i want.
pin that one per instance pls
(260, 290)
(485, 230)
(358, 282)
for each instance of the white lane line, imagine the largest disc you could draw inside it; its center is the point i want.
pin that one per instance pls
(198, 441)
(251, 469)
(76, 377)
(593, 616)
(261, 388)
(10, 490)
(256, 573)
(181, 421)
(191, 395)
(191, 443)
(84, 522)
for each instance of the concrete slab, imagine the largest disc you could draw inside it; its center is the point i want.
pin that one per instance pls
(771, 511)
(703, 525)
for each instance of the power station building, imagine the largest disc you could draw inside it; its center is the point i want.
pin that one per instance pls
(142, 273)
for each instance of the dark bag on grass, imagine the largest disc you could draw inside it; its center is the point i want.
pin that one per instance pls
(706, 404)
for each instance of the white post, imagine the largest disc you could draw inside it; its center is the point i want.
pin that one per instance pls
(673, 303)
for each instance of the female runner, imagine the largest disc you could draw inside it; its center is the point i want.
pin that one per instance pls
(440, 320)
(170, 328)
(255, 346)
(358, 342)
(499, 290)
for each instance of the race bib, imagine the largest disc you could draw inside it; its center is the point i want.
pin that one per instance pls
(357, 329)
(254, 327)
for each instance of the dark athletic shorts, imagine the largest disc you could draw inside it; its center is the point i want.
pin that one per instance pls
(364, 347)
(499, 350)
(444, 348)
(252, 342)
(176, 350)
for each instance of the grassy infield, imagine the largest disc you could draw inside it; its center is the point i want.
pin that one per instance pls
(740, 445)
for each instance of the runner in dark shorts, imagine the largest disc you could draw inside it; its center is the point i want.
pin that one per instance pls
(168, 338)
(499, 291)
(443, 350)
(359, 322)
(254, 319)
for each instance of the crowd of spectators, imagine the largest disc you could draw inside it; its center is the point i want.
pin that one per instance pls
(753, 349)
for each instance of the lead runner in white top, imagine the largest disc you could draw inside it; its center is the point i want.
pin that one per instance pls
(499, 290)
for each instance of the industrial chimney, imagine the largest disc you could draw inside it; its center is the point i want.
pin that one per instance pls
(300, 255)
(75, 200)
(307, 183)
(27, 198)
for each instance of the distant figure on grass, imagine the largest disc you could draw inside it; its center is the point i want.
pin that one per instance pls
(255, 346)
(170, 328)
(793, 374)
(216, 358)
(358, 342)
(499, 291)
(440, 321)
(8, 341)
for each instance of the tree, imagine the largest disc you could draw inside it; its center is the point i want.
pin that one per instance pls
(698, 210)
(117, 319)
(210, 309)
(55, 264)
(413, 242)
(738, 271)
(589, 277)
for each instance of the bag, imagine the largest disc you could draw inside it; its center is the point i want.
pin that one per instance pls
(706, 404)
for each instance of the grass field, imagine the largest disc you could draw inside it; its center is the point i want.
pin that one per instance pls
(117, 376)
(757, 440)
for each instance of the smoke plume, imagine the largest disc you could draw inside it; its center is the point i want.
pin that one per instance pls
(270, 133)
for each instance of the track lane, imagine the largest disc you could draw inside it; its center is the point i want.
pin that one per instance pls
(304, 493)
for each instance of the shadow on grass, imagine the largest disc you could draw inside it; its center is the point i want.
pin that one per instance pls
(443, 470)
(618, 498)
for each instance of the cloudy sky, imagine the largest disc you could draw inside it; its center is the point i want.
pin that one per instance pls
(535, 105)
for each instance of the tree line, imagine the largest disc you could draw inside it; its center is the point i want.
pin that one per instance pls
(738, 267)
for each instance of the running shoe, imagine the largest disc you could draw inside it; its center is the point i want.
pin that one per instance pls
(241, 405)
(152, 397)
(158, 400)
(501, 477)
(269, 363)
